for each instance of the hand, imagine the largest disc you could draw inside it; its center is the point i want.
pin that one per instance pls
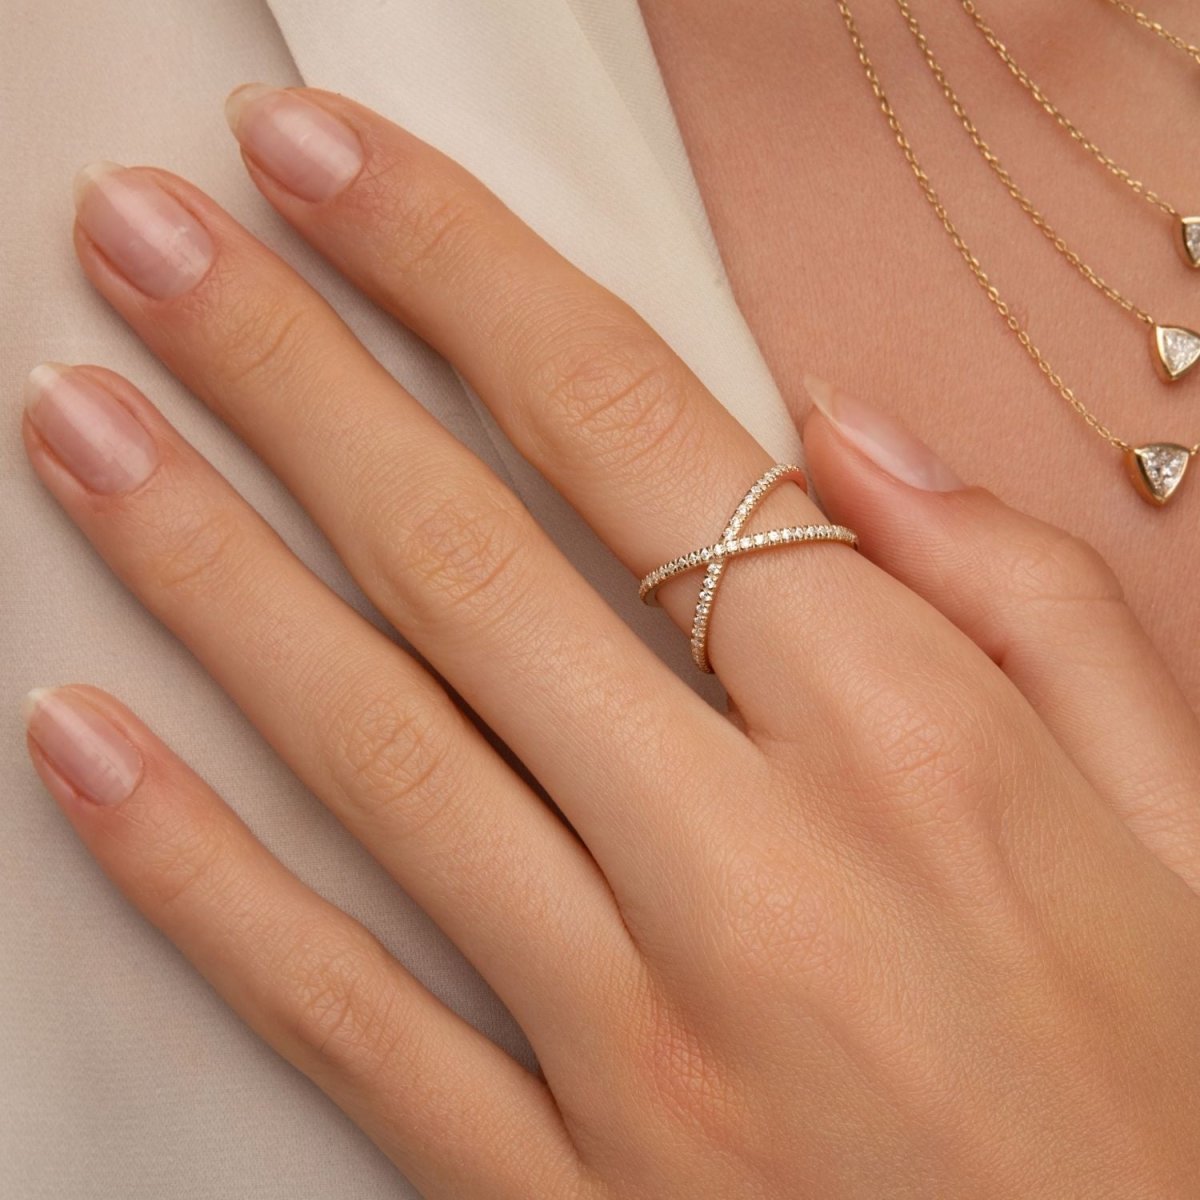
(919, 922)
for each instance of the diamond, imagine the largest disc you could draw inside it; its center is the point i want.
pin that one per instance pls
(1178, 350)
(1191, 240)
(1157, 469)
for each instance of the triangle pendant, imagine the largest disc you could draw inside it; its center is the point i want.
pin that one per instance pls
(1157, 470)
(1189, 240)
(1176, 351)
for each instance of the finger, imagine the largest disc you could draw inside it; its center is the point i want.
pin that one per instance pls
(443, 549)
(451, 1110)
(356, 718)
(583, 387)
(1042, 603)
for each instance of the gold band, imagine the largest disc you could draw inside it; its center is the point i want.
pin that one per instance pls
(732, 543)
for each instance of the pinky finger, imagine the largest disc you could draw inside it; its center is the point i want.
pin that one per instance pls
(455, 1113)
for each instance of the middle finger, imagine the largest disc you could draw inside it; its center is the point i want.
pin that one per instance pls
(580, 383)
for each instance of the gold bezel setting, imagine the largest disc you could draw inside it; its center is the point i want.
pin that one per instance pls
(1176, 351)
(1189, 241)
(1157, 469)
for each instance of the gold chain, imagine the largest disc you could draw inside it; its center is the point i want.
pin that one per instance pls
(990, 290)
(1077, 135)
(1149, 23)
(1010, 184)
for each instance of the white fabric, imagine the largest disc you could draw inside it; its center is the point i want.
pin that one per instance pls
(121, 1074)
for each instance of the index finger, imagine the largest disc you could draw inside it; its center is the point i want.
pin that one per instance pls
(583, 387)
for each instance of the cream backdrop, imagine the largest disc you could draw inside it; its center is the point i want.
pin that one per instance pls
(122, 1076)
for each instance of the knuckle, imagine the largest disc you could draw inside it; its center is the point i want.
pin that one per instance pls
(181, 858)
(393, 757)
(924, 751)
(196, 549)
(430, 227)
(340, 1005)
(680, 1069)
(612, 395)
(934, 788)
(1052, 566)
(456, 553)
(264, 341)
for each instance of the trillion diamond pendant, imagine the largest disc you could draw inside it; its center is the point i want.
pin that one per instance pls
(1176, 351)
(1189, 240)
(1157, 470)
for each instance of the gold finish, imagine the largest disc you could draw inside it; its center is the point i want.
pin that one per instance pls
(1164, 365)
(732, 543)
(1110, 165)
(1157, 470)
(1001, 172)
(1193, 52)
(981, 277)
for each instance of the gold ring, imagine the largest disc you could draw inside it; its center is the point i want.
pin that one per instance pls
(732, 543)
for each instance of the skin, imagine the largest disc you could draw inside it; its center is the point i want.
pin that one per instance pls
(810, 198)
(922, 922)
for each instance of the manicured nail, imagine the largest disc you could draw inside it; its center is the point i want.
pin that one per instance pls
(884, 442)
(83, 747)
(90, 431)
(145, 233)
(301, 146)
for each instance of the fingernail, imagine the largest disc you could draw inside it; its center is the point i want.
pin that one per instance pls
(89, 430)
(301, 146)
(885, 443)
(82, 746)
(144, 232)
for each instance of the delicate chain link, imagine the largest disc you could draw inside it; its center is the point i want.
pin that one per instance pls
(1149, 23)
(981, 277)
(1010, 184)
(1022, 77)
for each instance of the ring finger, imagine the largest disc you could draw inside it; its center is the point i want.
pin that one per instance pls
(579, 382)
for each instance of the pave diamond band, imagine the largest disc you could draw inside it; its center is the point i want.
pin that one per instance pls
(721, 552)
(733, 542)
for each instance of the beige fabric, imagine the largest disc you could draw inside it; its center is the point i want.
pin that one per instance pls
(121, 1074)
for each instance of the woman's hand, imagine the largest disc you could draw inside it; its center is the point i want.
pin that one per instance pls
(919, 923)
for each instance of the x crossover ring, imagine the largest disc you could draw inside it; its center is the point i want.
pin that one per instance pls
(732, 542)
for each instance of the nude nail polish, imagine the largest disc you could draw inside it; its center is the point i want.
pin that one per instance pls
(304, 148)
(83, 746)
(92, 433)
(882, 440)
(147, 235)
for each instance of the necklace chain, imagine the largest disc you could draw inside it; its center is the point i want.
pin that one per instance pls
(981, 277)
(1155, 27)
(1077, 135)
(1001, 172)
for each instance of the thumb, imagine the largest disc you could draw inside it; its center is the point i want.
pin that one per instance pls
(1041, 602)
